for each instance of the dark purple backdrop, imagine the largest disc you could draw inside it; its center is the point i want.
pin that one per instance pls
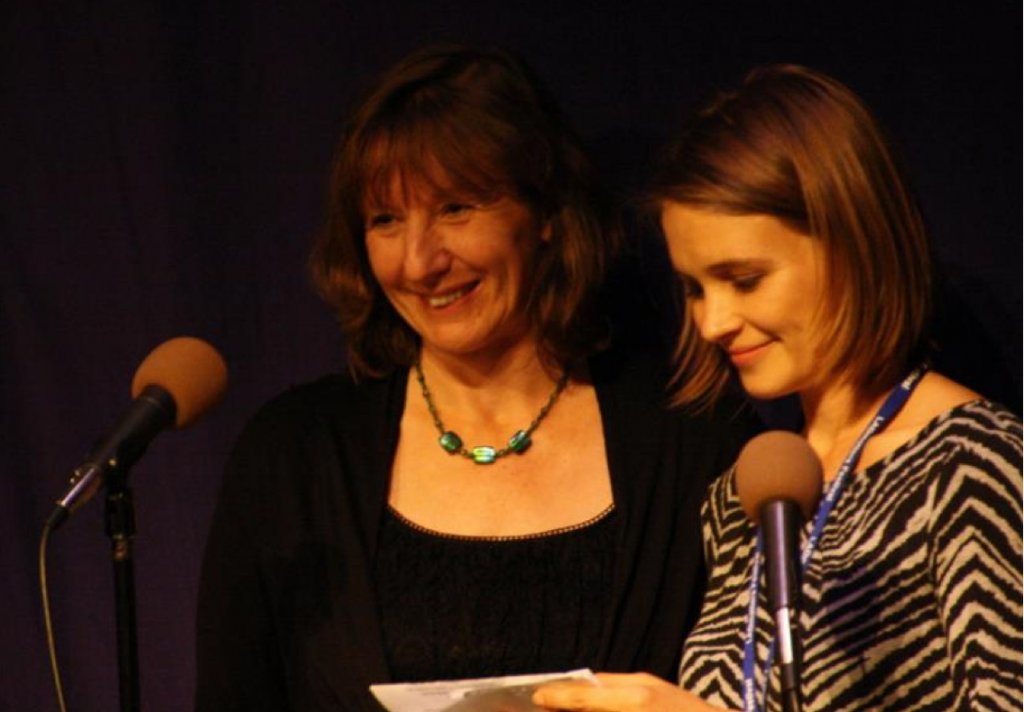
(163, 168)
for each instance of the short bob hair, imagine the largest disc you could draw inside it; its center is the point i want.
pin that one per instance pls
(476, 122)
(793, 143)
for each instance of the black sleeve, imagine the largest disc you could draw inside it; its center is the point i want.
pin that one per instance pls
(238, 659)
(662, 459)
(287, 614)
(713, 441)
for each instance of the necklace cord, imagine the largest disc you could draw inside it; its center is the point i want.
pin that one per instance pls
(451, 443)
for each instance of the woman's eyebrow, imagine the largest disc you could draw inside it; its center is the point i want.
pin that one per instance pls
(726, 267)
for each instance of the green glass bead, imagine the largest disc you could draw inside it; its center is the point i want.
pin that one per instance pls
(450, 442)
(484, 455)
(519, 442)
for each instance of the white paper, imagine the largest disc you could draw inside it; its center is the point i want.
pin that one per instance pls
(487, 694)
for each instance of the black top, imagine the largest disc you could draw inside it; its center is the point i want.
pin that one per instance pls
(458, 607)
(288, 613)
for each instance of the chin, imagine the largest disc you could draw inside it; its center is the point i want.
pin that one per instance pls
(763, 389)
(461, 347)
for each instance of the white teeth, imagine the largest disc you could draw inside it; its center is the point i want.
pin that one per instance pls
(446, 299)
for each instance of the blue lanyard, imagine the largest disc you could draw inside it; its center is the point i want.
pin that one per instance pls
(892, 405)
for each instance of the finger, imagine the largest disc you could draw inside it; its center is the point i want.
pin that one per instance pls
(620, 679)
(594, 699)
(557, 695)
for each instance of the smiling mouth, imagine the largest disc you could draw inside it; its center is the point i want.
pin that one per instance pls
(442, 300)
(742, 356)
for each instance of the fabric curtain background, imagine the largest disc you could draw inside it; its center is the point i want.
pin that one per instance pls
(163, 172)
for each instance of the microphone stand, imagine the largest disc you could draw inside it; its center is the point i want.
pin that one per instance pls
(120, 527)
(781, 521)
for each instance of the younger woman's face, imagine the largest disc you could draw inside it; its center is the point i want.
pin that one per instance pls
(754, 287)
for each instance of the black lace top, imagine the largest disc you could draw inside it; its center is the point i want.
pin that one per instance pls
(455, 607)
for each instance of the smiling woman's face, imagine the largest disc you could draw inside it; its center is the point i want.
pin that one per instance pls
(455, 267)
(754, 287)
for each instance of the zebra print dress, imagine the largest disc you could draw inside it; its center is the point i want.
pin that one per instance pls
(913, 599)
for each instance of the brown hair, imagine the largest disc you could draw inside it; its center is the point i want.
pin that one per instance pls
(796, 144)
(478, 121)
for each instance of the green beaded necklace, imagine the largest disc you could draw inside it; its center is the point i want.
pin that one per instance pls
(485, 454)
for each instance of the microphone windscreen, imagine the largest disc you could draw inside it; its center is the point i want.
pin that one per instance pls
(191, 370)
(778, 465)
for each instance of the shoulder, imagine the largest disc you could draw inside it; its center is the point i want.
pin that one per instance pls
(968, 456)
(628, 368)
(977, 428)
(972, 429)
(723, 502)
(934, 396)
(311, 439)
(634, 393)
(983, 442)
(728, 534)
(643, 376)
(723, 489)
(324, 402)
(964, 465)
(334, 414)
(938, 404)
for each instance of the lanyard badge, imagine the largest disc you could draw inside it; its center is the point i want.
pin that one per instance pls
(892, 405)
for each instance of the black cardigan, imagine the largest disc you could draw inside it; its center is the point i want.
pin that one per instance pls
(287, 613)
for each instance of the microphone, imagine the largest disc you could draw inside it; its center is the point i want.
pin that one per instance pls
(779, 480)
(178, 382)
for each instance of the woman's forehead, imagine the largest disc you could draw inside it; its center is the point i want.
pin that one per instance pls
(397, 169)
(420, 183)
(400, 187)
(700, 240)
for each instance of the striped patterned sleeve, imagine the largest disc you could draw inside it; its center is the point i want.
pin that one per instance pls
(975, 559)
(713, 513)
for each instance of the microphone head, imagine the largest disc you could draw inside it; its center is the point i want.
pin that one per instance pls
(778, 465)
(191, 370)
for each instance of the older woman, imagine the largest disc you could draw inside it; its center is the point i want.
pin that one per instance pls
(806, 271)
(490, 490)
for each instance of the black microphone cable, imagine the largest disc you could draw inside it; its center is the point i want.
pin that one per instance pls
(48, 619)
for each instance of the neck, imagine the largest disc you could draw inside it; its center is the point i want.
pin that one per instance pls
(834, 418)
(513, 379)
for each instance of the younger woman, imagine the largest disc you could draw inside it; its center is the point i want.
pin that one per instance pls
(806, 271)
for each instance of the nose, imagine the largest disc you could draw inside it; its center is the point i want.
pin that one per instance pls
(716, 317)
(426, 252)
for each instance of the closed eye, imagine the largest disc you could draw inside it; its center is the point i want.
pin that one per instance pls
(456, 210)
(380, 221)
(747, 283)
(691, 287)
(744, 276)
